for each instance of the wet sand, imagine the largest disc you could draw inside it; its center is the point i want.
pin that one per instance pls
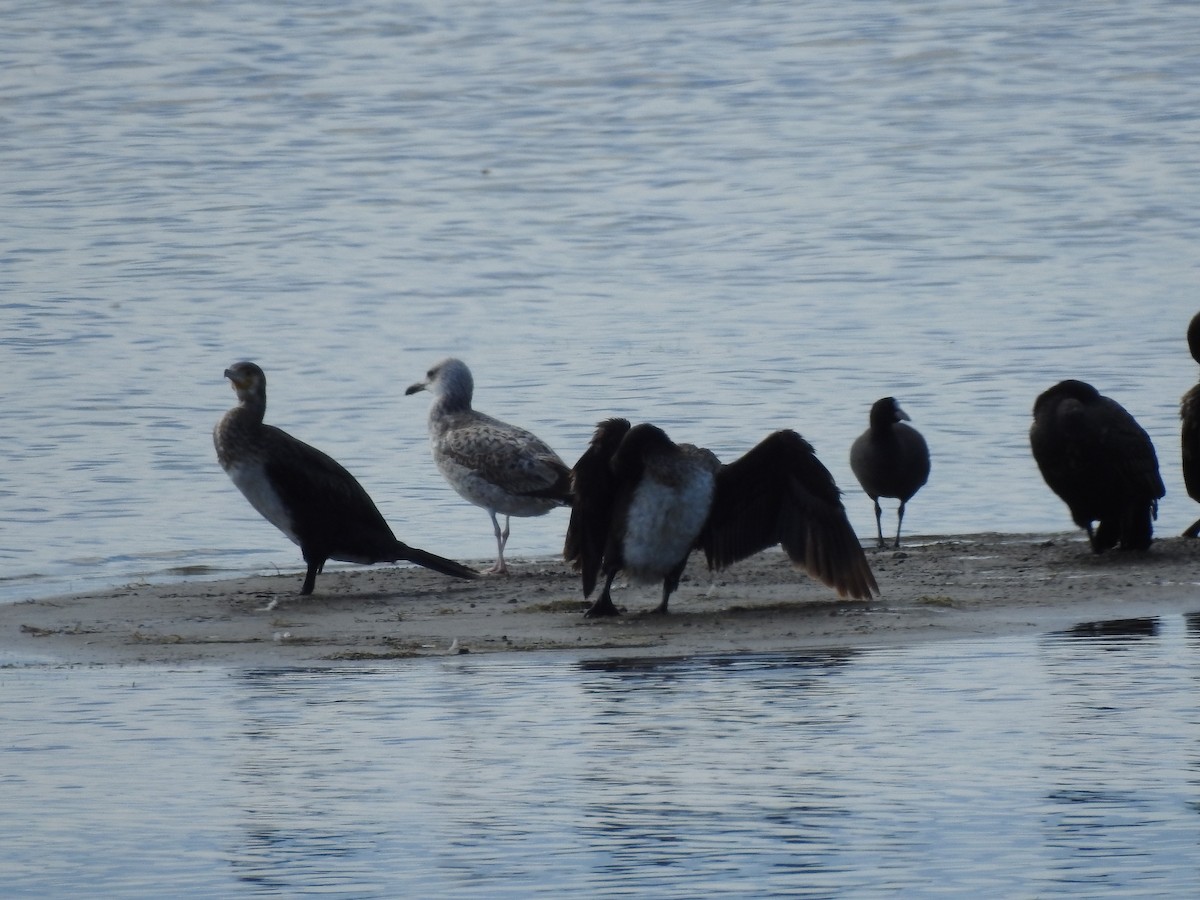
(933, 588)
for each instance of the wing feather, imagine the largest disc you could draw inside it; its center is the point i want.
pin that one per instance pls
(780, 493)
(328, 506)
(594, 488)
(1130, 452)
(503, 454)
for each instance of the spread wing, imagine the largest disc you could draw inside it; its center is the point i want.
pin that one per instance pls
(594, 488)
(780, 493)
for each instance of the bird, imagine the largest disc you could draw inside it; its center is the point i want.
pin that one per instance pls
(504, 469)
(890, 459)
(303, 492)
(1100, 462)
(1189, 415)
(643, 503)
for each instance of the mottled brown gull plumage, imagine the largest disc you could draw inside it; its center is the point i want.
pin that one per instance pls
(643, 503)
(494, 465)
(303, 492)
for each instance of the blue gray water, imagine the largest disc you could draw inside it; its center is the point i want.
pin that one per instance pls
(723, 217)
(1065, 765)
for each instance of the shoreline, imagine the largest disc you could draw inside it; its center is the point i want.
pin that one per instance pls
(934, 588)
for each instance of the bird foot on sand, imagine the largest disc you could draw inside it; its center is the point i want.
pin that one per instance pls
(601, 609)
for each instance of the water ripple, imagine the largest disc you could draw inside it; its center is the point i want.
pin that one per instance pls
(725, 219)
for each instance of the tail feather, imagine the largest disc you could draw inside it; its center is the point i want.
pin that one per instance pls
(1137, 527)
(433, 561)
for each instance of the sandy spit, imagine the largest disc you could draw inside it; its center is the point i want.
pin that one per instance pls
(933, 588)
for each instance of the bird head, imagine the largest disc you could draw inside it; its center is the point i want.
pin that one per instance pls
(248, 380)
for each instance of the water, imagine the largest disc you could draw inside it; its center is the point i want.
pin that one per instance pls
(724, 218)
(1065, 765)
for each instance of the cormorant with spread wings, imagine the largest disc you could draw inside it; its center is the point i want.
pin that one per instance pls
(642, 503)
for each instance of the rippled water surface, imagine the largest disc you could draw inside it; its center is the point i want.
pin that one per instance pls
(722, 217)
(1065, 765)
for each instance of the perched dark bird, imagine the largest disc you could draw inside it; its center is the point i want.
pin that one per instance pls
(1189, 415)
(492, 464)
(304, 493)
(1100, 462)
(890, 459)
(643, 503)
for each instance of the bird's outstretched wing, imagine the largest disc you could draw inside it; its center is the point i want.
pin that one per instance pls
(780, 493)
(594, 489)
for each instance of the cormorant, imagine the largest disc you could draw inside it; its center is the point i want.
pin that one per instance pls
(643, 503)
(1189, 416)
(1096, 457)
(304, 493)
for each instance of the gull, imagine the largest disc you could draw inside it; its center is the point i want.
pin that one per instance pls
(504, 469)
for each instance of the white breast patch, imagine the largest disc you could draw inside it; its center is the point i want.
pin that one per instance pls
(663, 524)
(252, 482)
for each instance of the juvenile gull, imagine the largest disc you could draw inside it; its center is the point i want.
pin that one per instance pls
(304, 493)
(500, 467)
(890, 459)
(1099, 461)
(643, 503)
(1189, 416)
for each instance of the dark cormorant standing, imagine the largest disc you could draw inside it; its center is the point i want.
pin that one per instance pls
(304, 493)
(1189, 415)
(643, 503)
(500, 467)
(1096, 457)
(890, 459)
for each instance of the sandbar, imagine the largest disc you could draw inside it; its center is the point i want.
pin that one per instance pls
(933, 588)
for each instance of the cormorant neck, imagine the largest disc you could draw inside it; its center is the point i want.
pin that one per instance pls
(253, 406)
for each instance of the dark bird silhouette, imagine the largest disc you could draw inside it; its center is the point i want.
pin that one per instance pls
(1096, 457)
(643, 503)
(304, 493)
(890, 459)
(1189, 416)
(500, 467)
